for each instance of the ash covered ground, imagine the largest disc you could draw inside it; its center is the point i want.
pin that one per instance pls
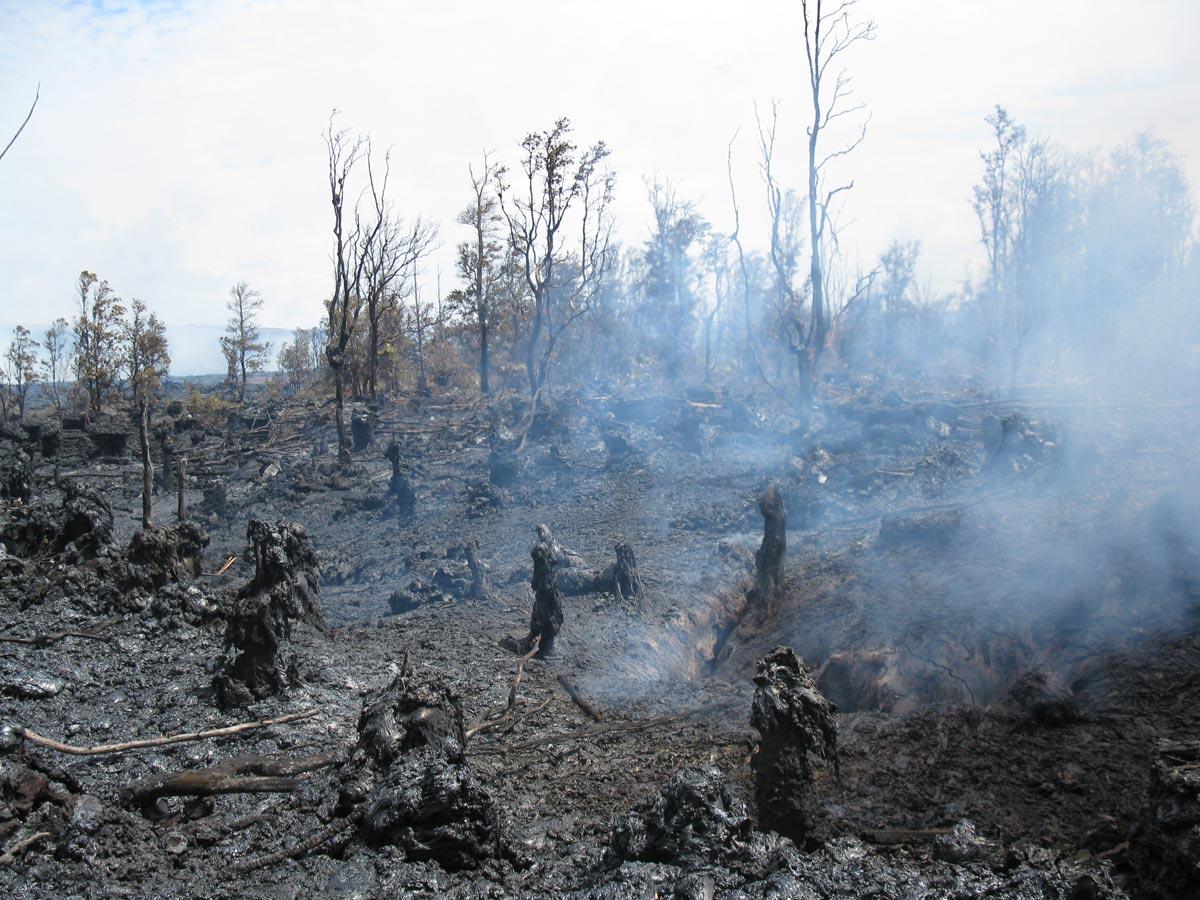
(924, 644)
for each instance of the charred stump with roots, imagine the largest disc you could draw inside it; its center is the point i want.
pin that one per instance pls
(793, 720)
(547, 617)
(626, 580)
(407, 781)
(768, 561)
(256, 661)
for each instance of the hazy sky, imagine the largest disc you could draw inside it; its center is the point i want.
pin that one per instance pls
(177, 146)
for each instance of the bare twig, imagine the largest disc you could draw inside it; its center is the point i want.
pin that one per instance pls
(122, 747)
(41, 640)
(305, 846)
(221, 571)
(16, 849)
(491, 721)
(37, 95)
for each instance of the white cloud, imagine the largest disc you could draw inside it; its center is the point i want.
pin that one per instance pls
(177, 146)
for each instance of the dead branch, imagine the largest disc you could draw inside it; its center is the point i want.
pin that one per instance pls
(492, 720)
(42, 640)
(305, 846)
(238, 775)
(16, 849)
(580, 701)
(124, 746)
(221, 571)
(529, 715)
(36, 96)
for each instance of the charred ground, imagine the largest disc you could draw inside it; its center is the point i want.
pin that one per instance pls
(997, 595)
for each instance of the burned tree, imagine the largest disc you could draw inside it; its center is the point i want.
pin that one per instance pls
(563, 275)
(407, 781)
(547, 616)
(355, 244)
(400, 487)
(97, 332)
(768, 560)
(481, 261)
(242, 345)
(146, 361)
(626, 580)
(793, 720)
(256, 661)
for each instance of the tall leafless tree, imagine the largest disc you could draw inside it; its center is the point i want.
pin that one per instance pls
(356, 228)
(830, 30)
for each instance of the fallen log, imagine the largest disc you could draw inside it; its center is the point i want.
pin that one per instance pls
(99, 749)
(580, 700)
(239, 775)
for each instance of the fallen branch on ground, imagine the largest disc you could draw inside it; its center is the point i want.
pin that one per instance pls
(494, 719)
(42, 640)
(239, 775)
(221, 571)
(580, 700)
(305, 846)
(16, 849)
(99, 749)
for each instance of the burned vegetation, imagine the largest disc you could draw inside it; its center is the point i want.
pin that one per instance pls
(678, 570)
(848, 682)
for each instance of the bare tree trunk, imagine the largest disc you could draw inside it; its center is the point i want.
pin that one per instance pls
(181, 505)
(147, 465)
(339, 397)
(485, 386)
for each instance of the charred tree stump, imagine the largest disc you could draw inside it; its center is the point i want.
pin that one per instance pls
(793, 720)
(16, 476)
(627, 582)
(168, 554)
(256, 661)
(768, 561)
(407, 782)
(547, 616)
(480, 589)
(362, 428)
(400, 487)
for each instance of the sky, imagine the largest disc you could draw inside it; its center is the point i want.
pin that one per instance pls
(177, 147)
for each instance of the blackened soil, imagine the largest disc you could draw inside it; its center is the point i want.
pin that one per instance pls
(1047, 562)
